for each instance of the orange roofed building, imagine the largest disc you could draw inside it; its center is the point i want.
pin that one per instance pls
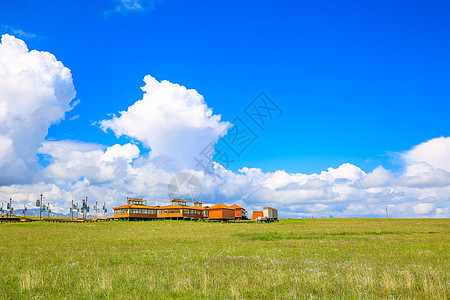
(179, 210)
(135, 209)
(257, 214)
(240, 213)
(221, 212)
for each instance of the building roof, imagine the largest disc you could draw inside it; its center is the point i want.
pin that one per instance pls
(198, 207)
(180, 206)
(198, 202)
(268, 207)
(178, 200)
(221, 206)
(133, 199)
(236, 206)
(134, 206)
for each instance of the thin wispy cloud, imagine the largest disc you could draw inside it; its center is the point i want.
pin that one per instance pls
(126, 7)
(17, 32)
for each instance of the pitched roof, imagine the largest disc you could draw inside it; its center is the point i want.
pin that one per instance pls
(198, 202)
(178, 200)
(265, 207)
(236, 206)
(180, 206)
(172, 206)
(221, 206)
(135, 199)
(134, 206)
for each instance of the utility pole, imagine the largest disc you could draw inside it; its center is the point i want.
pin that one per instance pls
(387, 216)
(87, 208)
(71, 209)
(96, 209)
(10, 207)
(40, 207)
(24, 210)
(48, 210)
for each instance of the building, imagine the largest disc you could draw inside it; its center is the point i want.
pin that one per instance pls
(179, 210)
(199, 205)
(270, 213)
(240, 213)
(257, 214)
(135, 209)
(221, 212)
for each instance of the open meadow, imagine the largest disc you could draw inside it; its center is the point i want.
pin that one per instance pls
(291, 259)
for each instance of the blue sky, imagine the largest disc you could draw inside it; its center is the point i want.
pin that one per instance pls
(363, 88)
(354, 79)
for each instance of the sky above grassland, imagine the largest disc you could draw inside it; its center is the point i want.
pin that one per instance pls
(343, 105)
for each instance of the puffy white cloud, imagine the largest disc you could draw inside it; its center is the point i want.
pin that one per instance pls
(173, 121)
(35, 92)
(379, 177)
(423, 208)
(435, 152)
(420, 174)
(72, 161)
(176, 124)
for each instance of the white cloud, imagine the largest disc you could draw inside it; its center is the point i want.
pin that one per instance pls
(379, 177)
(176, 124)
(423, 208)
(72, 161)
(18, 32)
(173, 121)
(129, 6)
(35, 92)
(420, 174)
(435, 152)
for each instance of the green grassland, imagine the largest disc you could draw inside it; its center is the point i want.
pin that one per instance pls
(291, 259)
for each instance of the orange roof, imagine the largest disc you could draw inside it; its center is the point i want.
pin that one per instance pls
(134, 206)
(180, 206)
(172, 206)
(198, 202)
(221, 206)
(178, 200)
(134, 199)
(236, 206)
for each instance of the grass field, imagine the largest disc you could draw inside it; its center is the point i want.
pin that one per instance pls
(291, 259)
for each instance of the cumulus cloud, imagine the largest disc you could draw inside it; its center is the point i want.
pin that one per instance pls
(420, 174)
(35, 92)
(435, 152)
(171, 120)
(73, 160)
(423, 208)
(379, 177)
(176, 124)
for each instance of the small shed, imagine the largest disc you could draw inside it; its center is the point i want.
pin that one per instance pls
(257, 214)
(221, 212)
